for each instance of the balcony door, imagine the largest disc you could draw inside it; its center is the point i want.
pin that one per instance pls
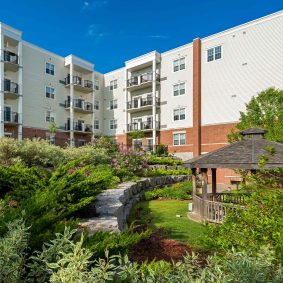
(7, 113)
(136, 101)
(137, 124)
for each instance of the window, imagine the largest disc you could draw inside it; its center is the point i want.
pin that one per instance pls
(96, 124)
(113, 124)
(96, 104)
(179, 139)
(214, 53)
(49, 69)
(179, 64)
(179, 89)
(113, 104)
(96, 84)
(49, 116)
(137, 143)
(50, 138)
(179, 114)
(49, 92)
(113, 84)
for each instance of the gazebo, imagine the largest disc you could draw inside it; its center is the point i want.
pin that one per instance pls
(246, 155)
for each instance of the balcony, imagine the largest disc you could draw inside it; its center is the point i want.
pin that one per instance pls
(11, 61)
(80, 84)
(141, 81)
(142, 126)
(79, 127)
(11, 89)
(142, 104)
(11, 118)
(79, 105)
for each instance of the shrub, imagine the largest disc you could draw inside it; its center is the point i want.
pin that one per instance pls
(128, 164)
(114, 243)
(180, 191)
(161, 150)
(13, 247)
(9, 151)
(164, 161)
(39, 152)
(165, 172)
(88, 154)
(260, 223)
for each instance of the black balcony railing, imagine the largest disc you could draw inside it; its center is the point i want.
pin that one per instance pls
(133, 81)
(141, 126)
(79, 127)
(79, 81)
(142, 102)
(11, 86)
(79, 103)
(143, 78)
(11, 117)
(11, 57)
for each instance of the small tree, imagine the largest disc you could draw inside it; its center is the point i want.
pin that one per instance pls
(263, 111)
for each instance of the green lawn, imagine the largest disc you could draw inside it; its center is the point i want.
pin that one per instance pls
(156, 214)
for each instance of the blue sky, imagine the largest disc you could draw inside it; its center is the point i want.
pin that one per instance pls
(109, 32)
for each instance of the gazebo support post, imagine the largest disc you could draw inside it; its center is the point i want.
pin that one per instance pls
(194, 181)
(213, 171)
(204, 191)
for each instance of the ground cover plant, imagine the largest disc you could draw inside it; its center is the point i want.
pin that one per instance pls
(180, 191)
(167, 160)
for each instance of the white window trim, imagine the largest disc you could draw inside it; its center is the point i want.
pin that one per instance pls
(178, 133)
(113, 124)
(180, 57)
(179, 83)
(45, 69)
(178, 108)
(97, 124)
(46, 86)
(222, 52)
(94, 104)
(112, 100)
(54, 116)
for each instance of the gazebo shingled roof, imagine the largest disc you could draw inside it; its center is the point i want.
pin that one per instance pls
(244, 154)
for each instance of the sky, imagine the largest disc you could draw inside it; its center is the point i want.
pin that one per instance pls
(109, 32)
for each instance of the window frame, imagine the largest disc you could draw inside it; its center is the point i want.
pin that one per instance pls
(178, 60)
(96, 126)
(179, 139)
(113, 126)
(112, 104)
(54, 92)
(179, 89)
(113, 84)
(51, 74)
(214, 53)
(51, 118)
(96, 104)
(179, 109)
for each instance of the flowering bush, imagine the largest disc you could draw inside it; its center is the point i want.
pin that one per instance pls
(128, 163)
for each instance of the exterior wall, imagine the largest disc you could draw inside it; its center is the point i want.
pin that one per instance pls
(250, 63)
(118, 93)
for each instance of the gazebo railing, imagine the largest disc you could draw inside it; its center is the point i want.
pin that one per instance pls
(228, 198)
(211, 211)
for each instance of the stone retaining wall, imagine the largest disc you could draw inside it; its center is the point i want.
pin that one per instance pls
(112, 207)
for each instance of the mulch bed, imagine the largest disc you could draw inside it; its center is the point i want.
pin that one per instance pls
(156, 247)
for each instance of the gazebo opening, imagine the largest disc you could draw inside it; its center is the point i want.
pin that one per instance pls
(246, 155)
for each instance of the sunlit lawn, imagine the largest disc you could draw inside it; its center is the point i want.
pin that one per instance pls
(164, 214)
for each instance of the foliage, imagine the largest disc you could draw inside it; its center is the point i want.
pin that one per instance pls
(180, 191)
(87, 154)
(263, 111)
(68, 191)
(171, 217)
(9, 151)
(126, 164)
(161, 150)
(13, 247)
(166, 172)
(259, 224)
(153, 159)
(115, 243)
(136, 134)
(52, 128)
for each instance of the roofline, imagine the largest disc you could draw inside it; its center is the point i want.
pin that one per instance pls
(244, 25)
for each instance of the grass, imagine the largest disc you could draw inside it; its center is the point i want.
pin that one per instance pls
(157, 214)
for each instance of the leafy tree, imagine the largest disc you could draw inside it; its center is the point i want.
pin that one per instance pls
(263, 111)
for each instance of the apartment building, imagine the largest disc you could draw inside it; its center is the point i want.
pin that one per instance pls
(187, 98)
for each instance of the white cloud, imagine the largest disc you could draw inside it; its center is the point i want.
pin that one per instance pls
(93, 4)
